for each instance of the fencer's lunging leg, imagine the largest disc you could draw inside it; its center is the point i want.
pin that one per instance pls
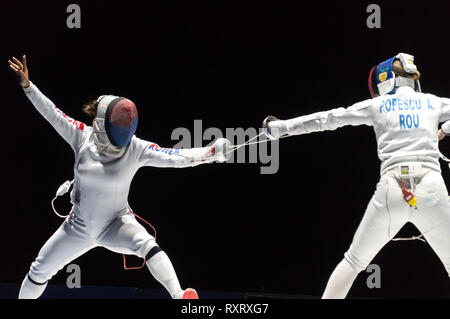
(341, 281)
(384, 217)
(126, 236)
(161, 268)
(31, 289)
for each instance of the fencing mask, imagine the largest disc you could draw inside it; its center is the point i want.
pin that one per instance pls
(382, 80)
(114, 125)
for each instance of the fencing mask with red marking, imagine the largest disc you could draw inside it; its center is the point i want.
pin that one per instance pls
(115, 124)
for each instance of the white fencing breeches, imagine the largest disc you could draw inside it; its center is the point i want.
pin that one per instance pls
(385, 215)
(124, 235)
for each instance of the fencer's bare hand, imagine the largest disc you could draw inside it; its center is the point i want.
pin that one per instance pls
(441, 135)
(21, 70)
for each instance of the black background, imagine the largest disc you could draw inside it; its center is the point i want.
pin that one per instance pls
(229, 63)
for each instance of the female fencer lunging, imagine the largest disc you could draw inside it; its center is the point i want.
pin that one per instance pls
(411, 188)
(107, 156)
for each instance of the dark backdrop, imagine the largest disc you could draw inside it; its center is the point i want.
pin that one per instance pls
(229, 63)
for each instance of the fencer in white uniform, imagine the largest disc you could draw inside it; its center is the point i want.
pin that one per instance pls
(107, 156)
(411, 187)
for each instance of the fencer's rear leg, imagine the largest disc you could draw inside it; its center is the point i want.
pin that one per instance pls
(384, 217)
(341, 280)
(31, 289)
(65, 245)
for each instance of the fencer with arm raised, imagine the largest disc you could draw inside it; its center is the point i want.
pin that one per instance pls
(357, 114)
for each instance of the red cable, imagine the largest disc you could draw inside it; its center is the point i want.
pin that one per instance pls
(372, 93)
(124, 257)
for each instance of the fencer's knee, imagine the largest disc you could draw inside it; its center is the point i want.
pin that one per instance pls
(152, 252)
(357, 264)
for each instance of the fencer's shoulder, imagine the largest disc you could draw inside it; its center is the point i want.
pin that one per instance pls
(136, 146)
(136, 141)
(431, 95)
(80, 126)
(86, 128)
(366, 104)
(139, 144)
(143, 148)
(436, 100)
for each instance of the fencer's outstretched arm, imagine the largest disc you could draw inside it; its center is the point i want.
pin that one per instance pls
(358, 114)
(68, 128)
(151, 154)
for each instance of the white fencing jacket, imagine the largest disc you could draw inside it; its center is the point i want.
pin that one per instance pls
(101, 184)
(405, 124)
